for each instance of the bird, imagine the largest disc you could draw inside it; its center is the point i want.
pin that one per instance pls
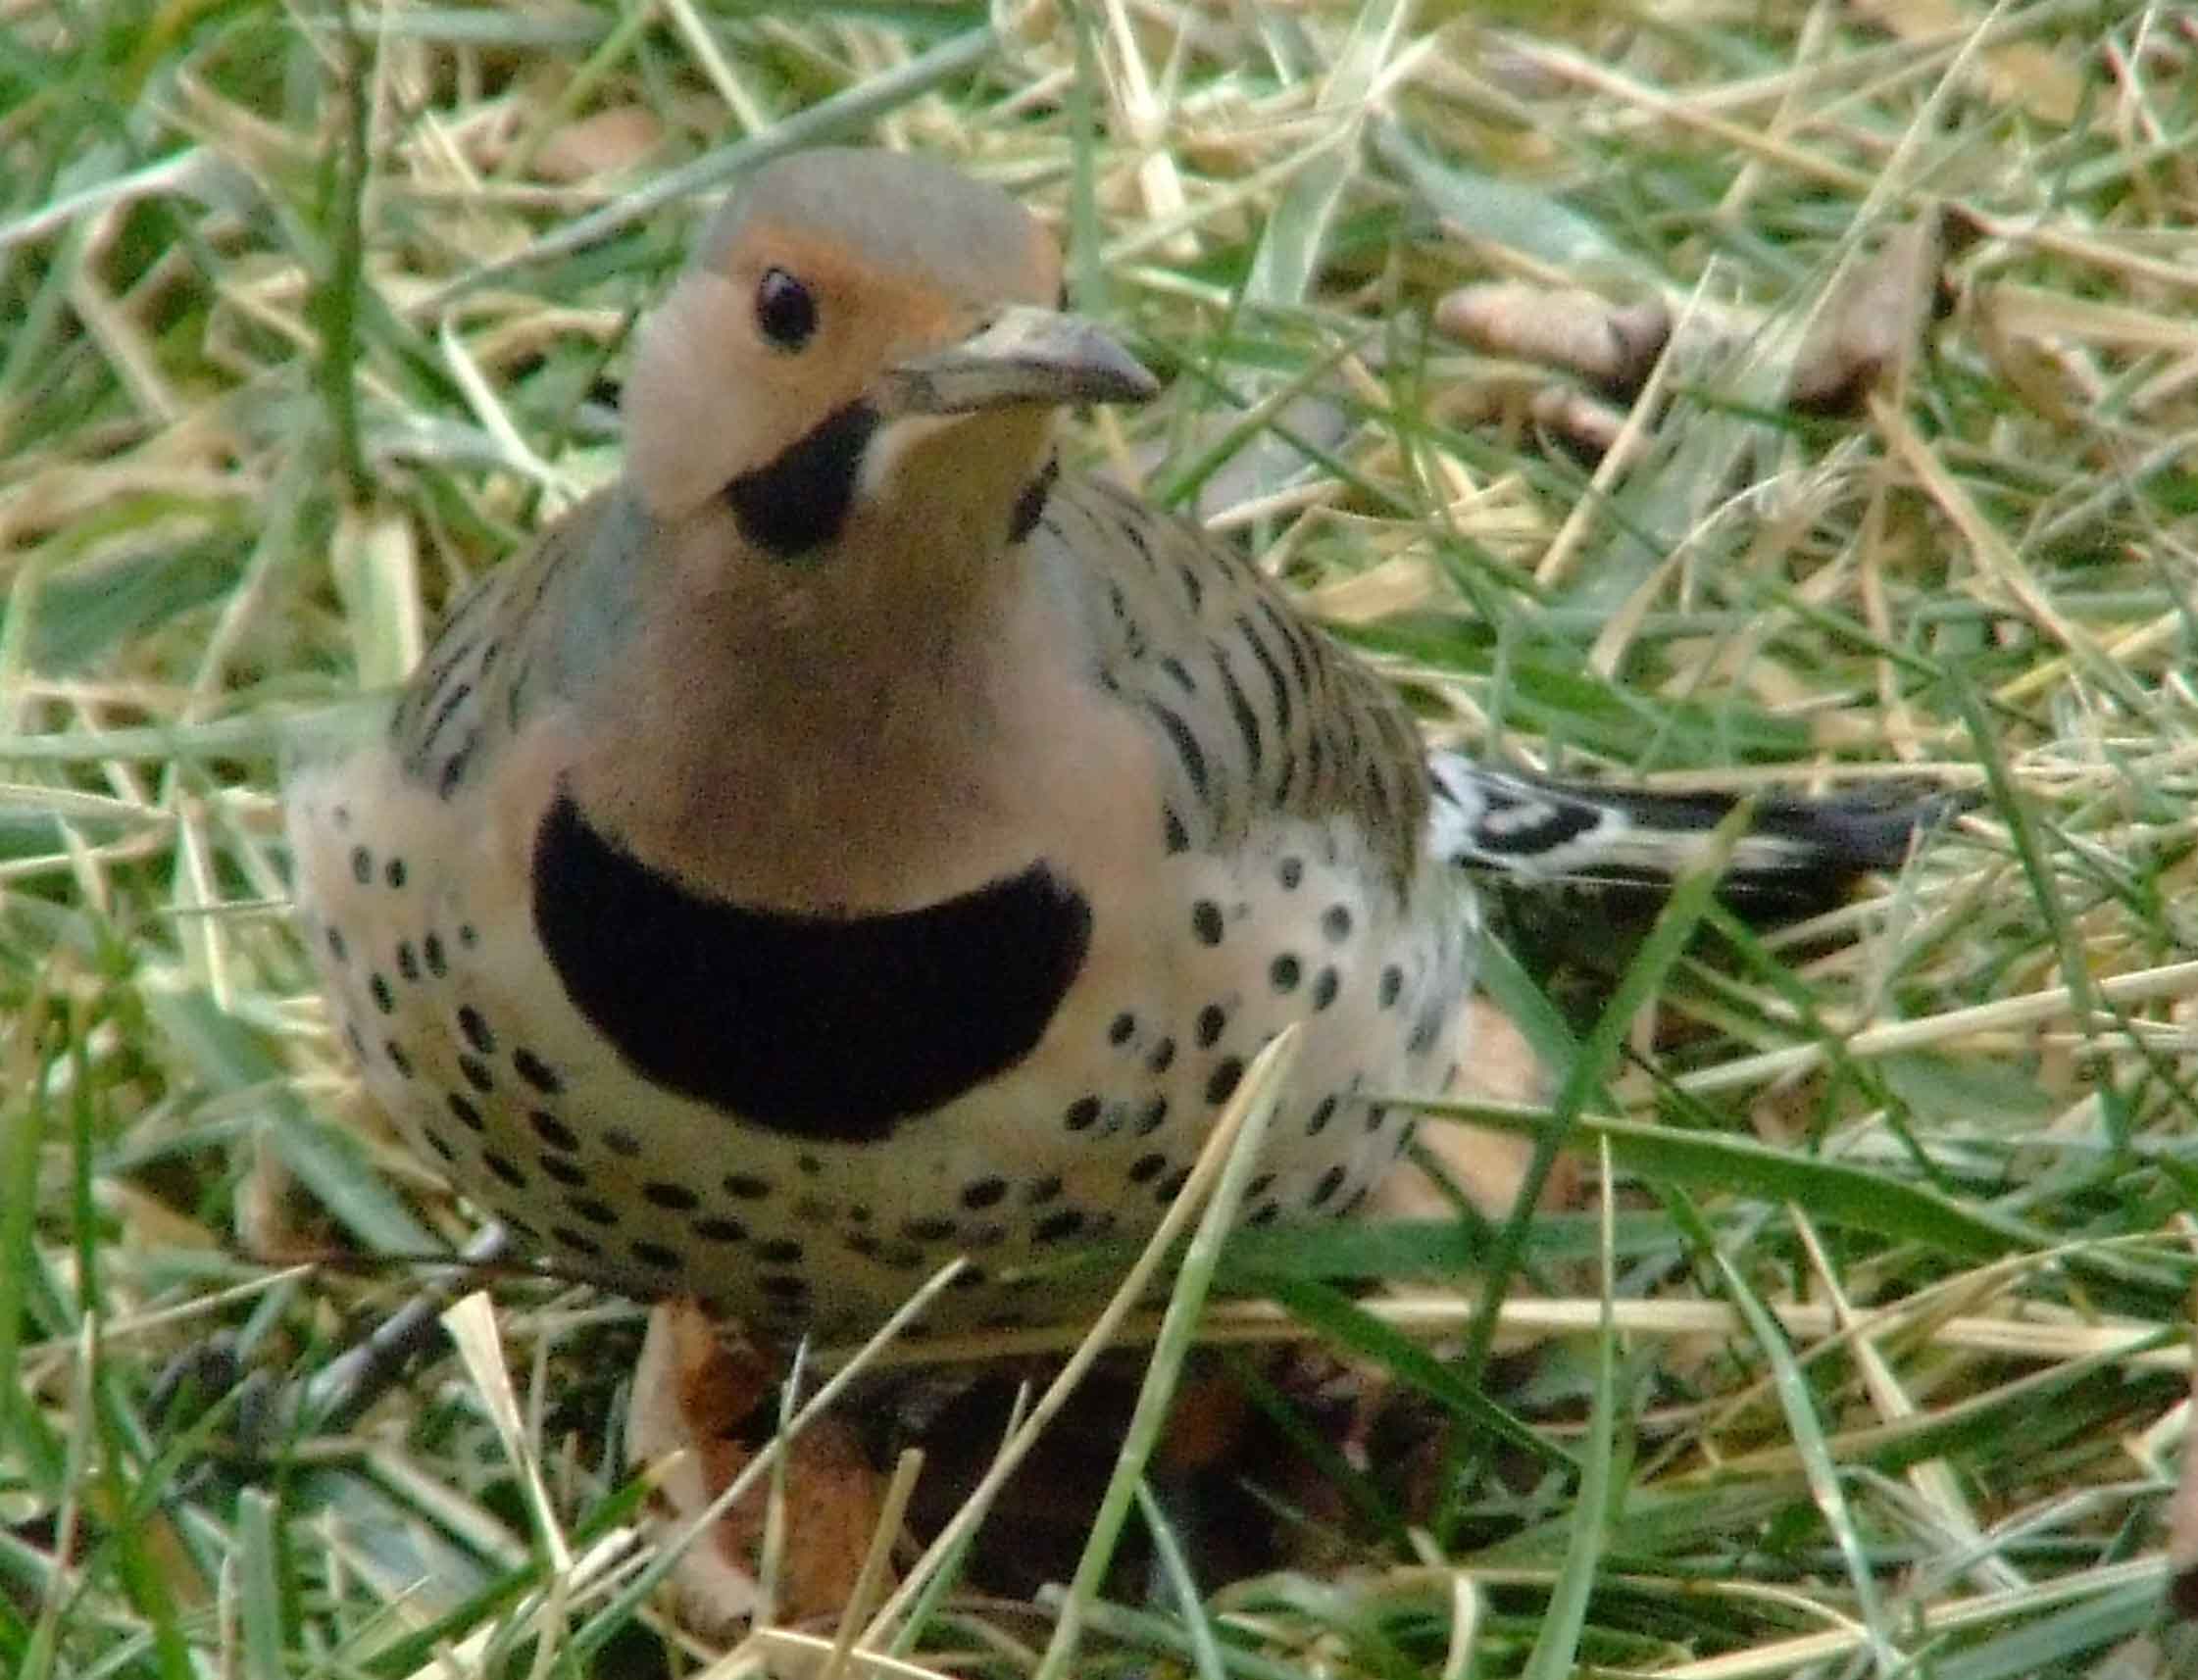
(852, 839)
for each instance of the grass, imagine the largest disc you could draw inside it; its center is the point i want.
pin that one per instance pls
(1863, 1346)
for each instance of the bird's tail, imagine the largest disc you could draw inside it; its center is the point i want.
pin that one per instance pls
(1796, 858)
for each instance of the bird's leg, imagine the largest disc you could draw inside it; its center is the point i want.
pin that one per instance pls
(696, 1420)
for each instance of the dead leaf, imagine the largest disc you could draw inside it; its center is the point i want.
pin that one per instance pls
(1867, 330)
(1873, 322)
(2022, 72)
(698, 1381)
(1615, 345)
(609, 142)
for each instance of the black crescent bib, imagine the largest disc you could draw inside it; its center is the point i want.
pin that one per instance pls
(817, 1026)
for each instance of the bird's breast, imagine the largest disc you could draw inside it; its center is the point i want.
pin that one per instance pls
(822, 1026)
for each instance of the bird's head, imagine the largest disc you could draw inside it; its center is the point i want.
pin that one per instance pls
(860, 337)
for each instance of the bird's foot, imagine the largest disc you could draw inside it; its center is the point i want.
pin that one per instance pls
(698, 1419)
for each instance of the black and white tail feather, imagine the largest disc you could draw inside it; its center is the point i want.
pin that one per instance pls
(1797, 857)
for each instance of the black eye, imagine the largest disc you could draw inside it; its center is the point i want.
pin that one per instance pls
(785, 312)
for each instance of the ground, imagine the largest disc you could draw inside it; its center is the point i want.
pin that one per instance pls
(1757, 395)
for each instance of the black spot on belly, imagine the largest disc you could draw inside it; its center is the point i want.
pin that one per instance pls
(819, 1026)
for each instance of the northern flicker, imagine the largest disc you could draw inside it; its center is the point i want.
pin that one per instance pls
(849, 840)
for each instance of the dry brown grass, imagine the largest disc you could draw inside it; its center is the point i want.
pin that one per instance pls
(303, 322)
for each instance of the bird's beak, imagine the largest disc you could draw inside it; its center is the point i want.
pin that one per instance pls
(1022, 356)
